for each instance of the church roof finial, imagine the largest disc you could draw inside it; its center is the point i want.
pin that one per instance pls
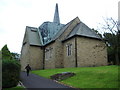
(56, 15)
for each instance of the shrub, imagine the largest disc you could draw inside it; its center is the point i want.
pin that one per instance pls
(10, 73)
(6, 53)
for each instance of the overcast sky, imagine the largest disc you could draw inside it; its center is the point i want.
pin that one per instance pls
(15, 15)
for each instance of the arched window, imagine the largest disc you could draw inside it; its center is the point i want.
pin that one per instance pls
(69, 49)
(48, 53)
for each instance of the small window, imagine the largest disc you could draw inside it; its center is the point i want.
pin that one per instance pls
(69, 49)
(48, 53)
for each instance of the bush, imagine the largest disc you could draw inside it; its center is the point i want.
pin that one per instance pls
(10, 73)
(6, 53)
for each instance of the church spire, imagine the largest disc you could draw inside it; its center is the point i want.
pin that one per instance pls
(56, 15)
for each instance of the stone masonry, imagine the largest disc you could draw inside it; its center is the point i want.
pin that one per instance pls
(71, 45)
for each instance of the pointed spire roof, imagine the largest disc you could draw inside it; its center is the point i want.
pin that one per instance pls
(56, 15)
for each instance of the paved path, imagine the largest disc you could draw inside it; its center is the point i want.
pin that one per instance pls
(35, 81)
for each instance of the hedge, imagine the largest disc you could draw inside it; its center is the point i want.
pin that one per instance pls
(10, 73)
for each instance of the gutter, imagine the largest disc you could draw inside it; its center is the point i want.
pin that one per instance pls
(81, 36)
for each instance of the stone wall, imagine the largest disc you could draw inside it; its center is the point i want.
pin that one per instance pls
(36, 57)
(69, 61)
(31, 55)
(25, 56)
(91, 52)
(73, 23)
(49, 56)
(58, 54)
(54, 55)
(61, 59)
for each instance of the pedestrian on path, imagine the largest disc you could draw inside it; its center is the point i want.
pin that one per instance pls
(28, 68)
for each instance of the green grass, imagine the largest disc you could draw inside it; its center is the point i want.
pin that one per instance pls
(87, 77)
(14, 88)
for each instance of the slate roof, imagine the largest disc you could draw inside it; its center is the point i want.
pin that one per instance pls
(61, 31)
(83, 30)
(58, 33)
(49, 30)
(33, 36)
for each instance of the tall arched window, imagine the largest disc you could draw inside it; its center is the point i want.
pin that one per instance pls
(69, 49)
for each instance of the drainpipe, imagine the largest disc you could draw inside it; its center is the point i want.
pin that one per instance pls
(43, 57)
(76, 63)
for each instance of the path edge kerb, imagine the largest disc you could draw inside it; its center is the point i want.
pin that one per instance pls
(21, 84)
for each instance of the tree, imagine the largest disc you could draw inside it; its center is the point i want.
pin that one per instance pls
(112, 38)
(97, 32)
(10, 69)
(112, 47)
(15, 56)
(6, 53)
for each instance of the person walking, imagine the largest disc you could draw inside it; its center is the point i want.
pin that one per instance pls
(28, 68)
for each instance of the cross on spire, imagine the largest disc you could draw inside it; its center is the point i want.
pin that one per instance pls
(56, 15)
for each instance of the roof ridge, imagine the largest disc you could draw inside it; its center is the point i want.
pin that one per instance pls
(64, 29)
(73, 29)
(57, 36)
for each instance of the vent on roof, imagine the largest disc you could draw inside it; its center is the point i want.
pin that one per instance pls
(24, 43)
(33, 29)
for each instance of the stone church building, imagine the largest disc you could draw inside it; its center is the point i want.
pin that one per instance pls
(56, 45)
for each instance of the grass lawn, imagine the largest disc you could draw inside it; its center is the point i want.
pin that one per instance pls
(87, 77)
(14, 88)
